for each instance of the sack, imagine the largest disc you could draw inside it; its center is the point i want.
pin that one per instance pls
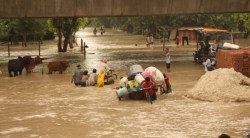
(169, 89)
(156, 75)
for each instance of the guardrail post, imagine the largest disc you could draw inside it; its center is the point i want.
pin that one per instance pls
(39, 47)
(8, 49)
(84, 49)
(81, 45)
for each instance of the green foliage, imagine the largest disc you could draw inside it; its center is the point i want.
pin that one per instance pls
(245, 22)
(82, 23)
(16, 28)
(230, 21)
(65, 23)
(67, 27)
(44, 28)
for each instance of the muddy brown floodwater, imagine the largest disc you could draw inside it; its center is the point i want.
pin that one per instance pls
(49, 106)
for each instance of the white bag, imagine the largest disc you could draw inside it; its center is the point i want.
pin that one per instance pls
(232, 46)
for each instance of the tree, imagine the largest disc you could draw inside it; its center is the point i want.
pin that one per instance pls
(66, 27)
(230, 21)
(57, 23)
(245, 22)
(24, 28)
(13, 29)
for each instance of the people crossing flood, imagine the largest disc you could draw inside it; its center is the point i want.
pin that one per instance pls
(92, 78)
(76, 78)
(56, 104)
(143, 83)
(151, 91)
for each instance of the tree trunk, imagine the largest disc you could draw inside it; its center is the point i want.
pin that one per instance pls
(71, 41)
(65, 27)
(11, 40)
(24, 44)
(57, 22)
(73, 37)
(65, 43)
(59, 43)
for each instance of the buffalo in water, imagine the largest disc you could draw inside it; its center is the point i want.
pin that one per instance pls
(59, 66)
(32, 63)
(16, 65)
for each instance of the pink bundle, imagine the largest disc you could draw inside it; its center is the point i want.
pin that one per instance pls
(145, 74)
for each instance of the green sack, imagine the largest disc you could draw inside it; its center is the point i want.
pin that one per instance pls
(169, 89)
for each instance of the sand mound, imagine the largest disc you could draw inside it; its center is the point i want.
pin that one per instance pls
(221, 85)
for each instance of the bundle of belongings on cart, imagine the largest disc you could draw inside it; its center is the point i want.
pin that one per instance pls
(131, 85)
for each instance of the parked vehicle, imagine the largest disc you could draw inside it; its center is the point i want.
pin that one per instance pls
(206, 49)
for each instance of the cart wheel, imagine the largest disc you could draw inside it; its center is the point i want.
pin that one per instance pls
(150, 101)
(119, 98)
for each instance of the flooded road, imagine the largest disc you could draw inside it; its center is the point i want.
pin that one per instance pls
(49, 106)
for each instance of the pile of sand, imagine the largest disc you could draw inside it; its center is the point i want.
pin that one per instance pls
(221, 85)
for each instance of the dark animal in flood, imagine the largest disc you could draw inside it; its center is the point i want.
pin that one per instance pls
(16, 66)
(59, 66)
(32, 63)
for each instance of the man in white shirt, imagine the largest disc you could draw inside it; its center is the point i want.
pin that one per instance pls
(104, 66)
(92, 78)
(208, 65)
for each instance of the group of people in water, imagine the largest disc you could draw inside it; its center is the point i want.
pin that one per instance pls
(83, 78)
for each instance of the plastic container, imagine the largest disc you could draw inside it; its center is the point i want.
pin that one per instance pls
(122, 92)
(135, 69)
(139, 78)
(124, 82)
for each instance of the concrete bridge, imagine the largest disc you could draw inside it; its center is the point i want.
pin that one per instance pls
(93, 8)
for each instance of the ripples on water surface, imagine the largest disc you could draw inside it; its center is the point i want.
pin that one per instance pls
(39, 105)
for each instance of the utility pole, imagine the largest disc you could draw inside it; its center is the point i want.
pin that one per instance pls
(8, 49)
(81, 45)
(39, 47)
(84, 49)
